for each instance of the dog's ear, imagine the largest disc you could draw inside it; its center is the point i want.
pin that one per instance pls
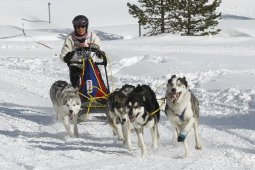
(185, 82)
(169, 81)
(173, 76)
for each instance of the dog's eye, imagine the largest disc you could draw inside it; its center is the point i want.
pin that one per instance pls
(137, 107)
(68, 105)
(170, 84)
(179, 84)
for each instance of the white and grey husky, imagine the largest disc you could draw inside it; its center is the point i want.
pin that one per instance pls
(182, 109)
(67, 104)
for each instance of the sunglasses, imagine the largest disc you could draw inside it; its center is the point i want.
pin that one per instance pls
(81, 26)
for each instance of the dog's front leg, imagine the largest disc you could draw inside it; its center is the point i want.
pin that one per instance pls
(75, 124)
(57, 112)
(155, 136)
(117, 130)
(126, 133)
(174, 130)
(186, 148)
(184, 132)
(66, 123)
(175, 134)
(139, 132)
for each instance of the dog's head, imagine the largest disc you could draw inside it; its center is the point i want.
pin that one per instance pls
(176, 88)
(135, 104)
(71, 105)
(127, 89)
(119, 103)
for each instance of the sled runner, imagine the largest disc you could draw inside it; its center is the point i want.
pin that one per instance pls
(93, 91)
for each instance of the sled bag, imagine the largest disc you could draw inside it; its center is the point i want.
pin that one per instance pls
(92, 84)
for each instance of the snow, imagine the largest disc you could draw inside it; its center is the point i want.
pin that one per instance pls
(220, 71)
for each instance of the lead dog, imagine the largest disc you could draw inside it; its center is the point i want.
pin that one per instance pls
(116, 114)
(67, 104)
(182, 109)
(143, 111)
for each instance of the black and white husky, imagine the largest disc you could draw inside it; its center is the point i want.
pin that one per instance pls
(143, 111)
(116, 115)
(67, 104)
(182, 109)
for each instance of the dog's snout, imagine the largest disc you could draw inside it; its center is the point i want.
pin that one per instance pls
(124, 120)
(71, 111)
(173, 90)
(130, 113)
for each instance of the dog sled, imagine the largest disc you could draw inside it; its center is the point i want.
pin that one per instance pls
(93, 90)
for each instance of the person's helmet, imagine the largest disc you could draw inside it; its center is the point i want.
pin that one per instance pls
(80, 20)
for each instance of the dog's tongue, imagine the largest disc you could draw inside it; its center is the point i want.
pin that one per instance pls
(174, 96)
(131, 118)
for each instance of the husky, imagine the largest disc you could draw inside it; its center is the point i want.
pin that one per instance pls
(126, 89)
(66, 103)
(116, 114)
(143, 111)
(182, 110)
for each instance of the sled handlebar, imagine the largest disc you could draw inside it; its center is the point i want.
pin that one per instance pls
(92, 48)
(85, 52)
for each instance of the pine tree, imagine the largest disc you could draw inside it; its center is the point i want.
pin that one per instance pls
(194, 17)
(152, 15)
(185, 17)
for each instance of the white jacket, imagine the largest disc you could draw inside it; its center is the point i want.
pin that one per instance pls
(71, 43)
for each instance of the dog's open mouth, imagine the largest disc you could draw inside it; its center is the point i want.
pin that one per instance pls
(132, 118)
(70, 115)
(174, 96)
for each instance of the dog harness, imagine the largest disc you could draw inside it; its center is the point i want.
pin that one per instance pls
(181, 115)
(144, 116)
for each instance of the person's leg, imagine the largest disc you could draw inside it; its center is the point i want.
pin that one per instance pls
(75, 73)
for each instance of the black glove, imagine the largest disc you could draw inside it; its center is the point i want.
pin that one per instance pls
(101, 54)
(68, 57)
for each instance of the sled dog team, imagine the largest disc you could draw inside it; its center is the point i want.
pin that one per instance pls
(136, 108)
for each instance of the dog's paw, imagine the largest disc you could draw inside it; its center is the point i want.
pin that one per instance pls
(76, 135)
(198, 147)
(181, 137)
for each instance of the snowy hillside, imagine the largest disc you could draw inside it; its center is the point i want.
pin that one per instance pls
(220, 71)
